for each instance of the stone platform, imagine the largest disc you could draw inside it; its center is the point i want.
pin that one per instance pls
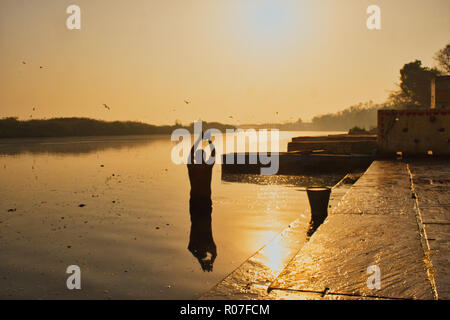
(395, 217)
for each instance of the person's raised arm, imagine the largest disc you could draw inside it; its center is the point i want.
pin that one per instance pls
(194, 147)
(212, 157)
(213, 148)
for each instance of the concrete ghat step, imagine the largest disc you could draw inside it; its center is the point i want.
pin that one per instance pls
(431, 179)
(374, 224)
(384, 189)
(294, 164)
(345, 146)
(337, 137)
(336, 259)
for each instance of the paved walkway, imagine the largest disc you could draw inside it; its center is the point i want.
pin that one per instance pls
(431, 185)
(395, 217)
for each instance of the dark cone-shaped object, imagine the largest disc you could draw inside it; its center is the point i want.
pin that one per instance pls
(319, 198)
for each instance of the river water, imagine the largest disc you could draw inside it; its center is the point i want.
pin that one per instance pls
(130, 235)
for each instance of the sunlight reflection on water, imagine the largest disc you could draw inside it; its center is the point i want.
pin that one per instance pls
(130, 239)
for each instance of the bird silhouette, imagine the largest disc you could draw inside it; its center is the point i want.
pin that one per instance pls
(187, 101)
(106, 106)
(23, 62)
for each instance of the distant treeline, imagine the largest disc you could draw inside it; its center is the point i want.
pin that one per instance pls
(75, 127)
(363, 115)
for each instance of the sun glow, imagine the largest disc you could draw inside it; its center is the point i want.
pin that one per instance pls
(272, 20)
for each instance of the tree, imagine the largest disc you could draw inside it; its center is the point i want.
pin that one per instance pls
(442, 57)
(415, 82)
(399, 100)
(361, 115)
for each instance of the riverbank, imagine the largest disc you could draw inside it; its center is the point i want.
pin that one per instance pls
(395, 217)
(82, 127)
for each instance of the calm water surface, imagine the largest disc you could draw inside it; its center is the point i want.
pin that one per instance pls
(131, 237)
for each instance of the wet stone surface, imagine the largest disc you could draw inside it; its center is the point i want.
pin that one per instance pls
(374, 224)
(431, 182)
(396, 216)
(383, 190)
(338, 255)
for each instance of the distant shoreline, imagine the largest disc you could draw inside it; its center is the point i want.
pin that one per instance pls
(12, 128)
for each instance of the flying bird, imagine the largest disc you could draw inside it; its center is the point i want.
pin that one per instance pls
(187, 101)
(106, 106)
(23, 62)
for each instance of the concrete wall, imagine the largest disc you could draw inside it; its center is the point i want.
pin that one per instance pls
(441, 92)
(335, 147)
(414, 132)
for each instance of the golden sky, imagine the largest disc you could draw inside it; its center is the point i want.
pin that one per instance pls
(242, 58)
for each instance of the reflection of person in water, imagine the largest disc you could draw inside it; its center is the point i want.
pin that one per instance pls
(201, 242)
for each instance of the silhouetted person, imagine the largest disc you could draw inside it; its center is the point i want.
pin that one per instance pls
(200, 171)
(201, 242)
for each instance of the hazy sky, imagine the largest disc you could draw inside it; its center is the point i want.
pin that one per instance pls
(242, 58)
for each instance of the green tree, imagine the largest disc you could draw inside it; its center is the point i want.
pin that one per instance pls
(361, 115)
(415, 82)
(442, 57)
(399, 100)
